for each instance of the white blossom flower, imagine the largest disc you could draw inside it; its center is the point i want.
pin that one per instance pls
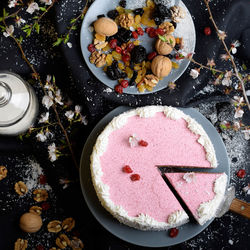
(247, 189)
(194, 73)
(210, 62)
(12, 3)
(41, 137)
(226, 82)
(246, 133)
(78, 109)
(52, 152)
(239, 113)
(69, 114)
(46, 2)
(49, 135)
(84, 120)
(32, 7)
(222, 34)
(189, 177)
(237, 101)
(19, 21)
(248, 92)
(9, 31)
(47, 101)
(224, 57)
(236, 125)
(58, 97)
(133, 140)
(234, 46)
(69, 44)
(44, 117)
(48, 78)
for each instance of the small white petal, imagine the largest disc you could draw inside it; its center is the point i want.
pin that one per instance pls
(239, 113)
(33, 6)
(194, 73)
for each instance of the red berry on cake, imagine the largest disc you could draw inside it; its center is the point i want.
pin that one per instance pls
(143, 143)
(127, 169)
(241, 173)
(135, 177)
(173, 232)
(207, 31)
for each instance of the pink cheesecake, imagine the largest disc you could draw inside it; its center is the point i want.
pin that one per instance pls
(203, 193)
(125, 158)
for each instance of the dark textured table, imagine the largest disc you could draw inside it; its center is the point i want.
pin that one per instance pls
(22, 158)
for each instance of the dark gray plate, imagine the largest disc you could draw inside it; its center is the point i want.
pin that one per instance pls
(126, 233)
(184, 29)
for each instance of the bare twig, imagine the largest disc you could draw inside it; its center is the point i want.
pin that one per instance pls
(228, 53)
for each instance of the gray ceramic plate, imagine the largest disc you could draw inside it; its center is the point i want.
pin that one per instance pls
(184, 29)
(137, 237)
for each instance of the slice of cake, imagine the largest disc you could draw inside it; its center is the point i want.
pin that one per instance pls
(201, 192)
(125, 158)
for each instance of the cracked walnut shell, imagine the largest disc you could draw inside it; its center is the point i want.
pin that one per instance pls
(35, 210)
(3, 172)
(21, 244)
(62, 241)
(98, 59)
(68, 224)
(54, 226)
(40, 195)
(21, 188)
(126, 20)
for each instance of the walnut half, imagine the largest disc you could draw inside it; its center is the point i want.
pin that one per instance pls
(54, 226)
(40, 195)
(151, 80)
(167, 27)
(21, 188)
(98, 59)
(62, 241)
(35, 210)
(126, 20)
(3, 172)
(21, 244)
(68, 224)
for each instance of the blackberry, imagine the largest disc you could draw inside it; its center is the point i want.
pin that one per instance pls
(177, 46)
(132, 81)
(139, 11)
(174, 23)
(123, 3)
(123, 35)
(100, 16)
(113, 14)
(138, 54)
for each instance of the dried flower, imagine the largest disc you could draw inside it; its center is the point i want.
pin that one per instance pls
(246, 133)
(210, 63)
(52, 152)
(171, 85)
(194, 73)
(47, 101)
(32, 7)
(225, 57)
(46, 2)
(222, 34)
(69, 114)
(44, 117)
(9, 31)
(19, 21)
(41, 137)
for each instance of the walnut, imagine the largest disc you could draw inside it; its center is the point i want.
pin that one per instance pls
(167, 27)
(21, 188)
(100, 44)
(177, 13)
(98, 59)
(126, 20)
(40, 195)
(30, 222)
(76, 244)
(54, 226)
(62, 241)
(68, 224)
(151, 80)
(3, 172)
(21, 244)
(35, 210)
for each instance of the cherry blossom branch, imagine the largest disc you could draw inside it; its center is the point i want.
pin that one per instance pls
(42, 86)
(222, 38)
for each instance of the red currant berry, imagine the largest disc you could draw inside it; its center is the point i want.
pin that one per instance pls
(45, 206)
(127, 169)
(143, 143)
(173, 232)
(152, 33)
(159, 31)
(241, 173)
(134, 34)
(125, 58)
(118, 49)
(152, 55)
(130, 47)
(42, 179)
(113, 43)
(124, 83)
(207, 31)
(119, 89)
(140, 31)
(135, 177)
(91, 48)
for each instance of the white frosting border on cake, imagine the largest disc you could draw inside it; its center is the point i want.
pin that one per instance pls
(207, 210)
(142, 222)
